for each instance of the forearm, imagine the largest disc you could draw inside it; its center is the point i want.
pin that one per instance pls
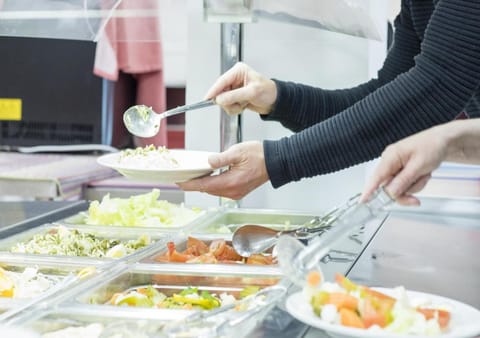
(463, 141)
(300, 106)
(433, 92)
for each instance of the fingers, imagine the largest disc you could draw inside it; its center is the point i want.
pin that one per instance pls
(227, 80)
(222, 185)
(408, 200)
(419, 184)
(247, 171)
(389, 165)
(404, 180)
(236, 100)
(214, 184)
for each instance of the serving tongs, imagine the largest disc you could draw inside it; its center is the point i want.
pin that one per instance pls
(297, 260)
(252, 239)
(220, 321)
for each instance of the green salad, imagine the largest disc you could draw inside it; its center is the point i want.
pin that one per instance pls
(144, 210)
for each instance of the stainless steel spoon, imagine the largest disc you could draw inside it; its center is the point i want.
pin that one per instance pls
(252, 239)
(142, 121)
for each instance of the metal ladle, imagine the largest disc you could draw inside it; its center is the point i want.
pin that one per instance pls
(252, 239)
(142, 121)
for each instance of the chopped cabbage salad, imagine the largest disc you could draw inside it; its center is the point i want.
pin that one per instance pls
(140, 210)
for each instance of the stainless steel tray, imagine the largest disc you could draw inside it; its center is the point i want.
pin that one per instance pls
(68, 275)
(122, 322)
(79, 220)
(227, 220)
(171, 279)
(157, 239)
(181, 245)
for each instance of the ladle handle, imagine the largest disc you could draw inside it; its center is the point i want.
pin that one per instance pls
(187, 107)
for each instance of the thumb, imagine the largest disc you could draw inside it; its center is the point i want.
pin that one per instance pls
(224, 159)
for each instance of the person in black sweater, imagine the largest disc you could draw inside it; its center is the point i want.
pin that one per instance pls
(430, 76)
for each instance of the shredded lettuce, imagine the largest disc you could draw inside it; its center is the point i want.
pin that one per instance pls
(144, 210)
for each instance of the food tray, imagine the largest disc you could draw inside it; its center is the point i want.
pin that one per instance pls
(122, 322)
(227, 220)
(181, 245)
(64, 276)
(79, 220)
(171, 279)
(147, 211)
(124, 234)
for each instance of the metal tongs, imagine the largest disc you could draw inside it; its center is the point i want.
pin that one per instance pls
(297, 260)
(220, 321)
(252, 239)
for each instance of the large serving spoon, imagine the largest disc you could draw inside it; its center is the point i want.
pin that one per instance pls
(142, 121)
(252, 239)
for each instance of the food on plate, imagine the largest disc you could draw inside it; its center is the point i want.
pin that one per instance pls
(26, 284)
(352, 305)
(188, 299)
(149, 157)
(144, 210)
(73, 242)
(218, 251)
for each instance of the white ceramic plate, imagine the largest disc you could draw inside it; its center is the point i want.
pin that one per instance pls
(192, 164)
(464, 323)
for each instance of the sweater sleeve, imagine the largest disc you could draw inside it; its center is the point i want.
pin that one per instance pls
(300, 106)
(445, 77)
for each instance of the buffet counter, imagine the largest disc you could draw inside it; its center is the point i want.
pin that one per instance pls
(433, 248)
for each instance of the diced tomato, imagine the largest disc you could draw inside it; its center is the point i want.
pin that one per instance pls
(163, 258)
(177, 257)
(443, 316)
(171, 247)
(350, 318)
(259, 259)
(377, 294)
(229, 254)
(371, 316)
(196, 247)
(342, 301)
(381, 302)
(207, 258)
(217, 247)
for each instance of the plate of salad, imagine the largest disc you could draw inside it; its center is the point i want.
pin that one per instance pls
(345, 309)
(158, 164)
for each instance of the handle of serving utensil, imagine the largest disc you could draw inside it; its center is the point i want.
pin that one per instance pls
(187, 107)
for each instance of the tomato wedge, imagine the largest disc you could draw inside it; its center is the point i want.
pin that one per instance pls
(442, 316)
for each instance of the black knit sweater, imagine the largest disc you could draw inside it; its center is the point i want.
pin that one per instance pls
(430, 75)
